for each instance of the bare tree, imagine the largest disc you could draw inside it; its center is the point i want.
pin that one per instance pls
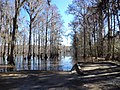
(18, 5)
(33, 8)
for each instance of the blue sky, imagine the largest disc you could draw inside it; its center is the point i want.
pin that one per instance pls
(62, 6)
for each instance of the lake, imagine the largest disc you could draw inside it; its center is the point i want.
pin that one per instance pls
(63, 63)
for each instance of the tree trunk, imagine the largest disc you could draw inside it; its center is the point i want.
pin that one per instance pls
(39, 45)
(94, 38)
(23, 46)
(46, 37)
(75, 46)
(4, 51)
(113, 50)
(109, 37)
(29, 49)
(11, 57)
(100, 37)
(34, 44)
(84, 55)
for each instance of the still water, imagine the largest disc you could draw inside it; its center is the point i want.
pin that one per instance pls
(63, 63)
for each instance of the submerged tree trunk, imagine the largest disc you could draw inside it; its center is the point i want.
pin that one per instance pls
(34, 44)
(39, 45)
(23, 47)
(11, 57)
(18, 4)
(4, 51)
(29, 49)
(46, 38)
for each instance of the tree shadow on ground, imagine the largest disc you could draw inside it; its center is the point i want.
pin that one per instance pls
(37, 81)
(44, 80)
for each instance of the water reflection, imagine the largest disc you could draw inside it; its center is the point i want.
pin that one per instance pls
(63, 63)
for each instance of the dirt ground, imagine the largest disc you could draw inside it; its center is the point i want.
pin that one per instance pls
(106, 77)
